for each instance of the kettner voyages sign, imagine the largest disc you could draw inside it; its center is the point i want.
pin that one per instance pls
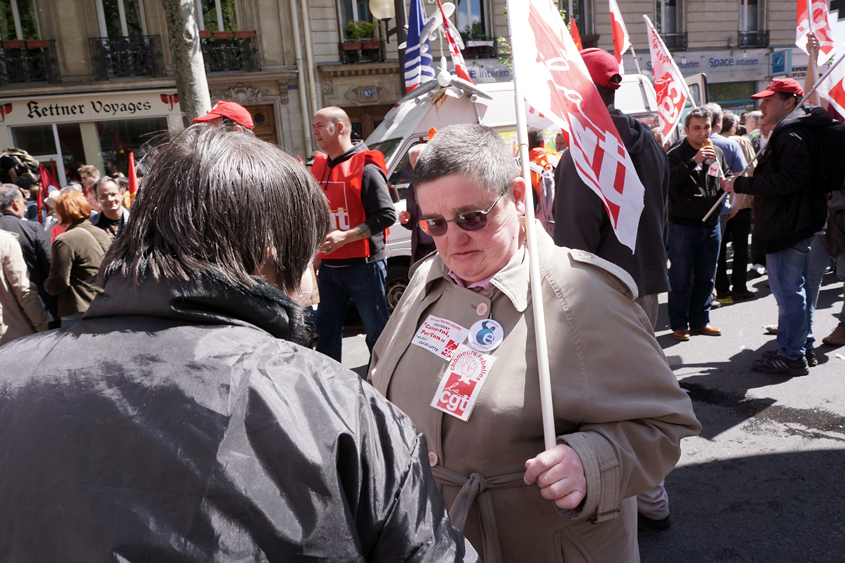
(87, 108)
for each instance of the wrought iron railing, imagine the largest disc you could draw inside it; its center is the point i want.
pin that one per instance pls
(480, 48)
(29, 61)
(230, 51)
(758, 39)
(124, 57)
(361, 51)
(675, 41)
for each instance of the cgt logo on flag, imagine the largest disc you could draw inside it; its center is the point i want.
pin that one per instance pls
(671, 98)
(556, 82)
(170, 99)
(668, 82)
(5, 109)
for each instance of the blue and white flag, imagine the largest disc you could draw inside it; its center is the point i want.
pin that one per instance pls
(419, 66)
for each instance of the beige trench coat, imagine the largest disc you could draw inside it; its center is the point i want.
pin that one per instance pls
(616, 402)
(21, 311)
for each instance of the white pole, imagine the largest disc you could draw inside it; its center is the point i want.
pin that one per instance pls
(636, 62)
(546, 405)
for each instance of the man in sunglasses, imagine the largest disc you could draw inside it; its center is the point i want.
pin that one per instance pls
(458, 357)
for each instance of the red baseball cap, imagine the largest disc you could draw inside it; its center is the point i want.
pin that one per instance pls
(234, 111)
(603, 68)
(785, 85)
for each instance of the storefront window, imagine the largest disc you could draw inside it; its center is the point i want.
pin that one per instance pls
(104, 144)
(17, 20)
(735, 96)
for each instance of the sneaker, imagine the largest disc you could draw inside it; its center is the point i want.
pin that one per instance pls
(810, 356)
(646, 522)
(837, 337)
(781, 365)
(715, 303)
(727, 300)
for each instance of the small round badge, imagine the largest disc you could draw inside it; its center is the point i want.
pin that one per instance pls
(486, 335)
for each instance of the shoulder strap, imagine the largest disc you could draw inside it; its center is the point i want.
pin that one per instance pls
(84, 230)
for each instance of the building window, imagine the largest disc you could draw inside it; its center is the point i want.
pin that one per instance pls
(218, 15)
(17, 20)
(469, 16)
(121, 18)
(581, 12)
(351, 13)
(666, 16)
(748, 15)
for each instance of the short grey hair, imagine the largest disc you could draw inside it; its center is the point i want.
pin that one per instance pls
(716, 114)
(9, 194)
(72, 187)
(757, 116)
(474, 151)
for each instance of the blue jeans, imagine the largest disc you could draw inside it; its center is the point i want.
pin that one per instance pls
(362, 284)
(789, 281)
(817, 266)
(693, 254)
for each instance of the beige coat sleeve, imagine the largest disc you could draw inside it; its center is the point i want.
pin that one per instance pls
(14, 268)
(633, 414)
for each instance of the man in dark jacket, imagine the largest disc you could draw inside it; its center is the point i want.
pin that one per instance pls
(354, 256)
(581, 220)
(34, 240)
(179, 421)
(787, 213)
(694, 171)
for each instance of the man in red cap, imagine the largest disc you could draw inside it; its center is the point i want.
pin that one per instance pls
(581, 222)
(227, 112)
(787, 212)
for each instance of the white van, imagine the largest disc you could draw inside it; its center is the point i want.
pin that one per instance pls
(408, 124)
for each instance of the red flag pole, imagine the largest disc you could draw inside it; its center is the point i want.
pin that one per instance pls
(133, 179)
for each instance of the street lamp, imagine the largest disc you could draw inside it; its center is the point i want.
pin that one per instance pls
(383, 9)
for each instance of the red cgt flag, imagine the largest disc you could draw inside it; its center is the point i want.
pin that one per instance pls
(668, 82)
(47, 180)
(621, 39)
(133, 179)
(819, 25)
(457, 57)
(576, 37)
(557, 84)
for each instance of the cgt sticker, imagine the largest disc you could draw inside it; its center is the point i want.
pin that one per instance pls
(459, 388)
(440, 336)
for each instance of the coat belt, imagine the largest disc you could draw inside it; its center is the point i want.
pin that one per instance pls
(476, 487)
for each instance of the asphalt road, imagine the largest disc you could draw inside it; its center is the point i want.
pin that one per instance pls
(765, 480)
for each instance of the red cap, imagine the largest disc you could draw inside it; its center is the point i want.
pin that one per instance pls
(785, 85)
(234, 111)
(603, 67)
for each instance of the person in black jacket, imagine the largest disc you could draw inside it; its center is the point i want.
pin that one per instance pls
(787, 213)
(694, 171)
(34, 240)
(179, 420)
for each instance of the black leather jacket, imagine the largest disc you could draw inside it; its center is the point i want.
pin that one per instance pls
(176, 423)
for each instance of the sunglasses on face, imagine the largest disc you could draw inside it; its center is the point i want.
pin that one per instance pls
(472, 221)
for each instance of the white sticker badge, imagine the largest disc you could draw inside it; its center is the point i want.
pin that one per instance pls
(713, 170)
(440, 336)
(486, 335)
(459, 388)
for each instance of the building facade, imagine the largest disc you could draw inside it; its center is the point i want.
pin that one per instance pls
(88, 81)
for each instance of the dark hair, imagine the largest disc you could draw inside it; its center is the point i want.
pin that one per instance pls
(536, 138)
(786, 96)
(698, 112)
(729, 119)
(9, 194)
(102, 181)
(474, 151)
(214, 202)
(25, 182)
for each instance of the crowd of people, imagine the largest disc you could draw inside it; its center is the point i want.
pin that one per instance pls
(181, 413)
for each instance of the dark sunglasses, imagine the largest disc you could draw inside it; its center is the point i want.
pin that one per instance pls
(472, 221)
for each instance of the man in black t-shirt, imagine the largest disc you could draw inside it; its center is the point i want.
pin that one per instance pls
(113, 216)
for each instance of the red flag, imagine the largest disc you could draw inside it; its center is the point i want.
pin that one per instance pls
(47, 180)
(133, 179)
(621, 39)
(573, 31)
(557, 83)
(668, 82)
(457, 57)
(820, 26)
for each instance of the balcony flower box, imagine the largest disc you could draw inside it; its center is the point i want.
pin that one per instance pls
(371, 44)
(244, 34)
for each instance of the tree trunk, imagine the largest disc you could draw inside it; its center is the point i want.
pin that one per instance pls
(188, 66)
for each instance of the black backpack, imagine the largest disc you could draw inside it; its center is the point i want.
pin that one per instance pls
(25, 165)
(828, 157)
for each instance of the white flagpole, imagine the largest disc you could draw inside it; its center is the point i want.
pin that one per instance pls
(636, 62)
(798, 105)
(546, 405)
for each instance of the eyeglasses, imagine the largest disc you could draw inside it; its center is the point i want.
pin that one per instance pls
(472, 221)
